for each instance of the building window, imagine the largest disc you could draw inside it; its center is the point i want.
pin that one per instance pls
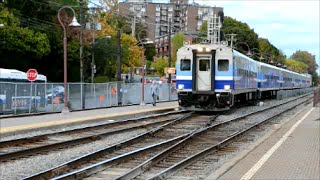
(185, 64)
(223, 65)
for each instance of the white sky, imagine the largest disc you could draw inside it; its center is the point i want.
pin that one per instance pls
(290, 25)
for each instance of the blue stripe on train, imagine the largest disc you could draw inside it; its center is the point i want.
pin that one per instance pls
(187, 83)
(219, 84)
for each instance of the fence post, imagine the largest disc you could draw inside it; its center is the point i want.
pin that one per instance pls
(15, 99)
(30, 103)
(314, 97)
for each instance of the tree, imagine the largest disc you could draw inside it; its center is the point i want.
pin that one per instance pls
(140, 30)
(307, 58)
(245, 35)
(131, 53)
(159, 65)
(20, 41)
(310, 61)
(203, 31)
(177, 42)
(296, 66)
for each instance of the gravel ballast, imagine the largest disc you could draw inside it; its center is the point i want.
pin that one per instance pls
(27, 166)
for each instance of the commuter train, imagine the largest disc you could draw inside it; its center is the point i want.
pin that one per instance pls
(212, 77)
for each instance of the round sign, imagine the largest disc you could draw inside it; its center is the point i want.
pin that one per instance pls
(32, 74)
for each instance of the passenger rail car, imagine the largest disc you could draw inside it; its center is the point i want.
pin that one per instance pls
(213, 77)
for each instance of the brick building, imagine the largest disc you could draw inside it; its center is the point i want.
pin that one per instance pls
(184, 17)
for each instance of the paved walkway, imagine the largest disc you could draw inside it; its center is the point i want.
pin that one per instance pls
(292, 152)
(38, 121)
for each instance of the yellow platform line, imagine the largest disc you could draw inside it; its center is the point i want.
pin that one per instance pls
(75, 120)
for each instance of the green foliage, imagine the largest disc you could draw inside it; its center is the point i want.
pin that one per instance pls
(310, 60)
(307, 58)
(21, 40)
(203, 31)
(159, 65)
(102, 79)
(244, 34)
(177, 42)
(296, 66)
(150, 52)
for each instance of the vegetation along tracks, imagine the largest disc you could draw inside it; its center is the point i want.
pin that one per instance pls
(16, 148)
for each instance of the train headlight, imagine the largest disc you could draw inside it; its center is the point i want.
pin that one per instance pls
(199, 49)
(180, 86)
(208, 49)
(227, 87)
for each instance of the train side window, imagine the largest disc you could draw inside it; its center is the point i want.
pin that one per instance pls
(223, 65)
(185, 65)
(204, 65)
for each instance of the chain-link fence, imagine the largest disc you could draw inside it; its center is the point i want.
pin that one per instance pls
(316, 97)
(18, 98)
(282, 94)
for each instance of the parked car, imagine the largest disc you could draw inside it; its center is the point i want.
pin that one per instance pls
(57, 91)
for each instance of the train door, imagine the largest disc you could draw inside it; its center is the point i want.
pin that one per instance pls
(204, 74)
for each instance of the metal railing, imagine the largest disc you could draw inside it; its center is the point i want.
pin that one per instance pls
(282, 94)
(316, 97)
(21, 98)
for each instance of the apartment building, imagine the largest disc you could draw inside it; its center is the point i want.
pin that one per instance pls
(184, 17)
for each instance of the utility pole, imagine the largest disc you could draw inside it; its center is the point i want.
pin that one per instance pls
(232, 39)
(93, 66)
(169, 49)
(81, 56)
(133, 26)
(142, 77)
(119, 66)
(169, 59)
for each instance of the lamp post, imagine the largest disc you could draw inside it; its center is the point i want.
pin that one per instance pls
(260, 54)
(249, 51)
(73, 23)
(142, 64)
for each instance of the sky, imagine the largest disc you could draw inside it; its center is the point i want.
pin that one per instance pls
(290, 25)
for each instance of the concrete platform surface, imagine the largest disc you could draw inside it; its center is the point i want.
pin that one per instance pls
(14, 124)
(291, 152)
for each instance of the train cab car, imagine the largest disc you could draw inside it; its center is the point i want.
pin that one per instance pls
(211, 77)
(200, 83)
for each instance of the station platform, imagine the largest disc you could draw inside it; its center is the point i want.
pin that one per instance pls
(291, 151)
(25, 123)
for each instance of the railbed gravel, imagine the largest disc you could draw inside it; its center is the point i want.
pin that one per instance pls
(65, 128)
(31, 165)
(217, 159)
(247, 109)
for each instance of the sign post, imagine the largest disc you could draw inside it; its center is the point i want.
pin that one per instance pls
(169, 71)
(32, 75)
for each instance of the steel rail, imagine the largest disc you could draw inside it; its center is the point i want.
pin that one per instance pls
(192, 159)
(86, 171)
(50, 173)
(151, 162)
(86, 139)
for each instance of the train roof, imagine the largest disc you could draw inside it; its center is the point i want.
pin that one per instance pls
(18, 75)
(237, 53)
(285, 70)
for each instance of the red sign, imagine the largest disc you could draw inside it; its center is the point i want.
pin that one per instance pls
(32, 74)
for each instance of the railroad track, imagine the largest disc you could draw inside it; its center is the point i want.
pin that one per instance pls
(150, 142)
(162, 162)
(17, 148)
